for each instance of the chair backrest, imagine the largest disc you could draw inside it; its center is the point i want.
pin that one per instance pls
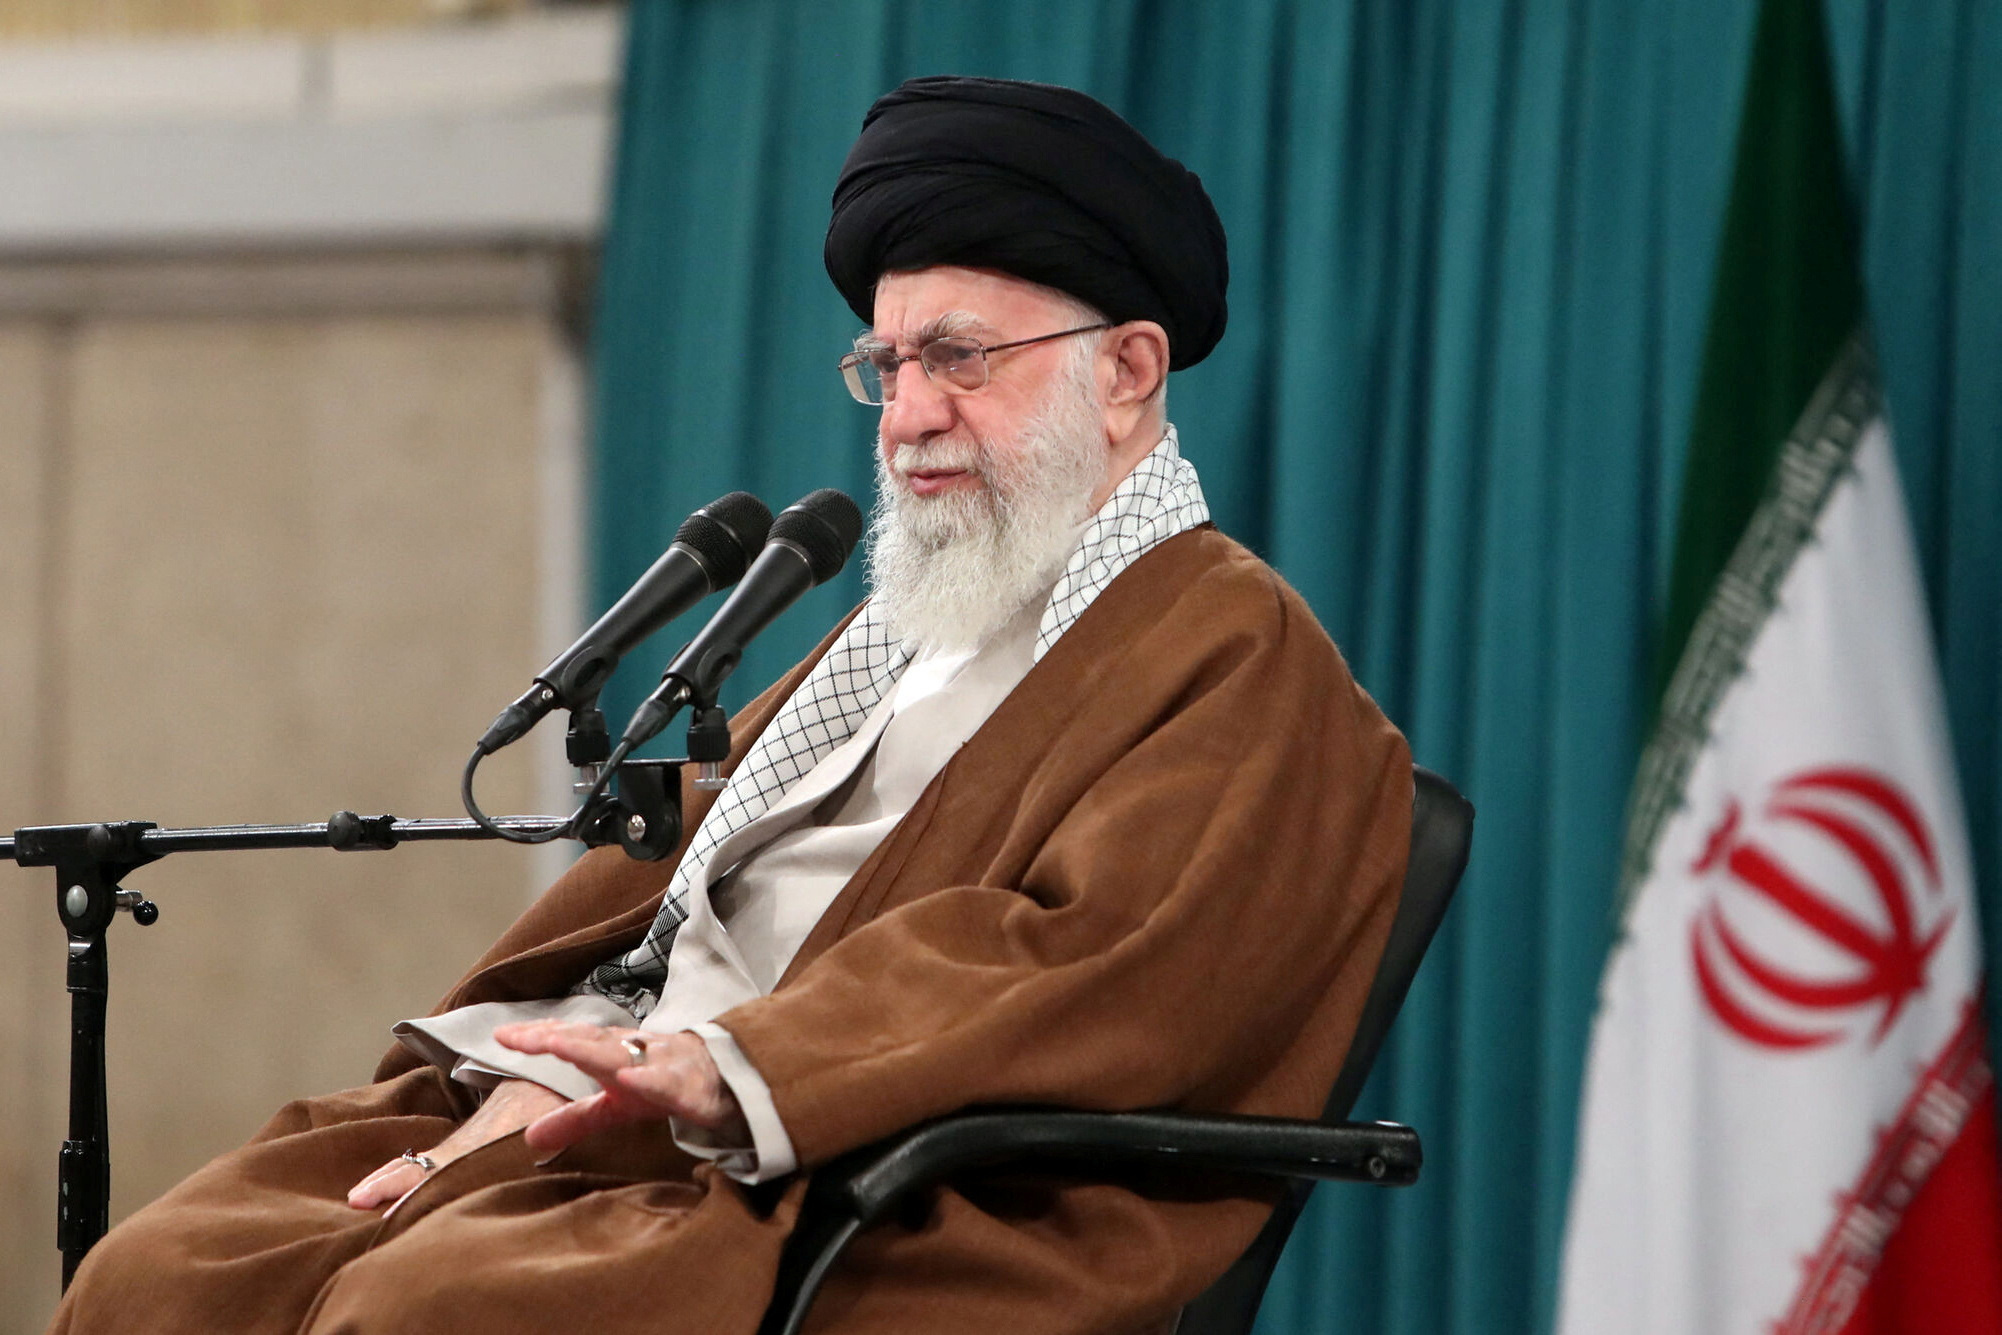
(1442, 828)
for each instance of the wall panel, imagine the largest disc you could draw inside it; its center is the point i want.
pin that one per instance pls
(295, 564)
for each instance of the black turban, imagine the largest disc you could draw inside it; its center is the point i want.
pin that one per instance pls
(1036, 181)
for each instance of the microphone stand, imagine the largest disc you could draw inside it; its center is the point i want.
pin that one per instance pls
(91, 861)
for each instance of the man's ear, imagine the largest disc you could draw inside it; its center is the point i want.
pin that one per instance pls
(1138, 353)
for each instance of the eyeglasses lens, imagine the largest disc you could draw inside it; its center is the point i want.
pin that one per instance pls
(955, 362)
(952, 364)
(867, 375)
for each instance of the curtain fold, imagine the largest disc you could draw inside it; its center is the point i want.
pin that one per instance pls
(1471, 248)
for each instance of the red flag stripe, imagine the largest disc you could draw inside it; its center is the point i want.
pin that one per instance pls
(1948, 1118)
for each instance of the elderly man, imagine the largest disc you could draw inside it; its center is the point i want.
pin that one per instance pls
(1081, 807)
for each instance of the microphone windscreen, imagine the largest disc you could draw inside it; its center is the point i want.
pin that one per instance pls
(726, 534)
(825, 525)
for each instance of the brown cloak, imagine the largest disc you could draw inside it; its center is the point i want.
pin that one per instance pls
(1159, 875)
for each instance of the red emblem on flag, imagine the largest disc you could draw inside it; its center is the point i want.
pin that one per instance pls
(1868, 959)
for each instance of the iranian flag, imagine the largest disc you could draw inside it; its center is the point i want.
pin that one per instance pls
(1789, 1118)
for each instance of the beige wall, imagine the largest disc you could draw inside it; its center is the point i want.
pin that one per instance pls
(269, 546)
(69, 18)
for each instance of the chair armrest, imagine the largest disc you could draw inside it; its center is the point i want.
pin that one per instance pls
(863, 1186)
(872, 1180)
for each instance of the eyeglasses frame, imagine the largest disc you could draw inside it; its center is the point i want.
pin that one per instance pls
(857, 358)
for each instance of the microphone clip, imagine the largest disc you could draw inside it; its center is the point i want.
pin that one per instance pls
(709, 747)
(587, 745)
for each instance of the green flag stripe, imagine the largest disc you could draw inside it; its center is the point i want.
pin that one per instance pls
(1787, 382)
(1787, 295)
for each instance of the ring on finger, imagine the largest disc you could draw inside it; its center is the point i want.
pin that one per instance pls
(424, 1161)
(635, 1051)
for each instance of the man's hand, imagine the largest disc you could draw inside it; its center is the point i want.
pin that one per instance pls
(676, 1078)
(512, 1105)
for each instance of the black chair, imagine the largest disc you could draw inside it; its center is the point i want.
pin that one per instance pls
(872, 1183)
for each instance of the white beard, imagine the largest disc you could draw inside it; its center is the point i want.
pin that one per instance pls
(949, 570)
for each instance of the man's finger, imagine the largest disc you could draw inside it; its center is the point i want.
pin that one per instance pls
(387, 1183)
(563, 1127)
(668, 1082)
(591, 1048)
(540, 1031)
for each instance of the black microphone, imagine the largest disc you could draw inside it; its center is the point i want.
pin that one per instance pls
(809, 543)
(710, 551)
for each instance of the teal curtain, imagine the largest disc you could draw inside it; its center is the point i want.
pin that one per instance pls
(1471, 244)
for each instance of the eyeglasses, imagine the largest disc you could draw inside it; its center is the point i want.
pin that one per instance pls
(955, 364)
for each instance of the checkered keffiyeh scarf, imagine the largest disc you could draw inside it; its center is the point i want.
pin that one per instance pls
(1158, 499)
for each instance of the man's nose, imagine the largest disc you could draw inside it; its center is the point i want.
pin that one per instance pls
(919, 411)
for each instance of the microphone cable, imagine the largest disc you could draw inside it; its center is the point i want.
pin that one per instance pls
(487, 823)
